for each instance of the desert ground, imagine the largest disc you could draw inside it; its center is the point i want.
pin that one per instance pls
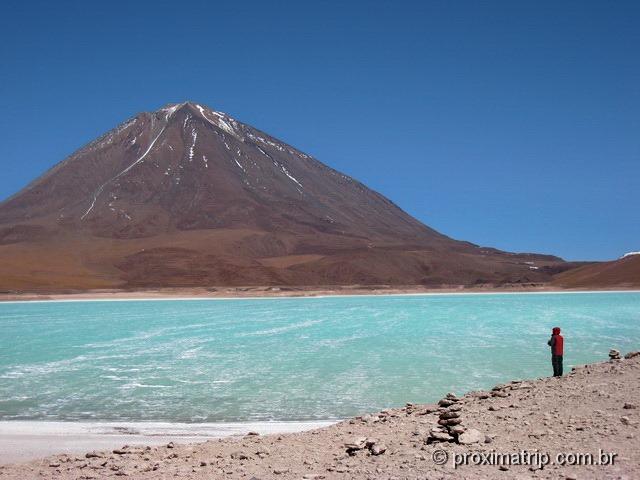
(581, 426)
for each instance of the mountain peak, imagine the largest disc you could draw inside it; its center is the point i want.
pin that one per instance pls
(217, 119)
(173, 107)
(225, 203)
(190, 106)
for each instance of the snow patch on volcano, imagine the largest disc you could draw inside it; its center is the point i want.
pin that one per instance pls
(169, 111)
(281, 167)
(227, 124)
(194, 136)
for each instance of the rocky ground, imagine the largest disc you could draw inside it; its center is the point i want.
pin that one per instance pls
(592, 411)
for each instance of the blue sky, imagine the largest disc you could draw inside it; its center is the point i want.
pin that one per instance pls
(511, 124)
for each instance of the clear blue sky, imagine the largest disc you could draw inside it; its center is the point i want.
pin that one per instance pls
(512, 124)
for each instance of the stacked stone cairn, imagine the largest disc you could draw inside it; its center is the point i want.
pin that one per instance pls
(449, 421)
(450, 428)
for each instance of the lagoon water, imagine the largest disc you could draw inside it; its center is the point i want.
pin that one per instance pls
(249, 360)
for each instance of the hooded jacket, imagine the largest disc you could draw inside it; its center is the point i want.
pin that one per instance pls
(556, 342)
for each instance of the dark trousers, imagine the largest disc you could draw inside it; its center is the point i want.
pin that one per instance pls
(556, 361)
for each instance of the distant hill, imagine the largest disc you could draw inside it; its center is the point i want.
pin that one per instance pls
(189, 196)
(622, 273)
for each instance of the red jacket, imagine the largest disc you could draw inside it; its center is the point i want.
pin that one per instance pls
(557, 342)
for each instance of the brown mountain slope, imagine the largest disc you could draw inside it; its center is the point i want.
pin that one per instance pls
(621, 273)
(187, 196)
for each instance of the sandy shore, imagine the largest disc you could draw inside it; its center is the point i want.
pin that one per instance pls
(524, 429)
(285, 292)
(27, 440)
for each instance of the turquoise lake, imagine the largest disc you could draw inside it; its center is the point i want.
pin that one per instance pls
(288, 359)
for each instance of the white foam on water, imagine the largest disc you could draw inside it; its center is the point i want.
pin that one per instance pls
(286, 328)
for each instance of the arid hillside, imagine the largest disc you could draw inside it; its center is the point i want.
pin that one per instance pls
(621, 273)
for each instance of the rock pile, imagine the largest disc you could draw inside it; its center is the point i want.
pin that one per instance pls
(450, 427)
(449, 421)
(614, 354)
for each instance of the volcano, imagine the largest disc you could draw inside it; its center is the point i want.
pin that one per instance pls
(189, 196)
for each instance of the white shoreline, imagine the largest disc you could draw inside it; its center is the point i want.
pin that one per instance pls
(21, 441)
(295, 297)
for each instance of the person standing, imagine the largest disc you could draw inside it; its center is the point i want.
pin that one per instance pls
(556, 342)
